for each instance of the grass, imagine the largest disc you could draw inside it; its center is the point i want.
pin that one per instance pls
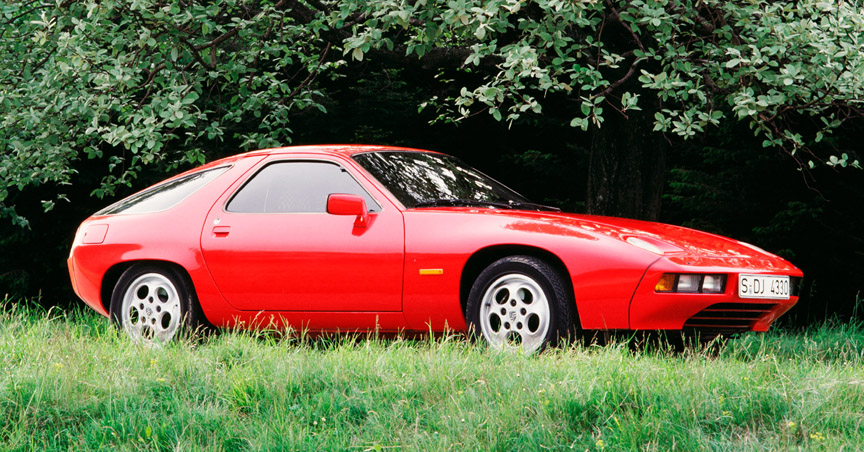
(69, 381)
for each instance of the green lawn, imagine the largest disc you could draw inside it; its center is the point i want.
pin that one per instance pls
(68, 381)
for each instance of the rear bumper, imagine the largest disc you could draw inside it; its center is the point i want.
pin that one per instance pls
(86, 284)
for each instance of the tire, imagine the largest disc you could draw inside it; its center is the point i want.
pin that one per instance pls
(520, 302)
(154, 304)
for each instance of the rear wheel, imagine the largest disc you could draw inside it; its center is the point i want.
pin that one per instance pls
(520, 302)
(153, 304)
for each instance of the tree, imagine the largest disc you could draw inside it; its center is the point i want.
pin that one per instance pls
(145, 81)
(794, 71)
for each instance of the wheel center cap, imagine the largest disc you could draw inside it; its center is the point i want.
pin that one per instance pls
(149, 311)
(512, 315)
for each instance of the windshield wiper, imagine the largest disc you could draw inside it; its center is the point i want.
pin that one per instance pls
(533, 206)
(456, 202)
(459, 202)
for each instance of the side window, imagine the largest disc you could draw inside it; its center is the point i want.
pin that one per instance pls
(163, 196)
(286, 187)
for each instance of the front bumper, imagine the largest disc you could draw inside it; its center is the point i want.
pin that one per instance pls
(724, 312)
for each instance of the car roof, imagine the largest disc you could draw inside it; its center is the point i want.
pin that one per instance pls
(344, 150)
(339, 149)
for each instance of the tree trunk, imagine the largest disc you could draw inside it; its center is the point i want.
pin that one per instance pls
(626, 166)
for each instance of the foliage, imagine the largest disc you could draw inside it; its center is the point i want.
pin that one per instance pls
(70, 382)
(793, 70)
(139, 82)
(108, 96)
(737, 193)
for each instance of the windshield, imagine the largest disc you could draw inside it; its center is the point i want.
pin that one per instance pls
(425, 179)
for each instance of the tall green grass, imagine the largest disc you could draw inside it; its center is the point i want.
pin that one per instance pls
(69, 381)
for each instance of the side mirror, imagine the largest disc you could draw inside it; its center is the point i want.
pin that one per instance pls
(345, 204)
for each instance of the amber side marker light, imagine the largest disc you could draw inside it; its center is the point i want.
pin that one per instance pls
(690, 283)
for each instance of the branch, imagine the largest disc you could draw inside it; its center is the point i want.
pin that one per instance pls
(149, 82)
(44, 60)
(194, 53)
(258, 55)
(437, 57)
(218, 40)
(625, 25)
(721, 21)
(361, 17)
(312, 74)
(35, 8)
(318, 5)
(814, 101)
(708, 26)
(620, 111)
(621, 80)
(300, 12)
(705, 23)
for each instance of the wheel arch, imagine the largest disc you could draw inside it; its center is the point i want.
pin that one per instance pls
(113, 275)
(482, 258)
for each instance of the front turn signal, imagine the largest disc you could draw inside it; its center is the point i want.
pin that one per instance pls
(666, 283)
(690, 283)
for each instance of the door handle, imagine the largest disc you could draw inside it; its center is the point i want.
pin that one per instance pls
(221, 231)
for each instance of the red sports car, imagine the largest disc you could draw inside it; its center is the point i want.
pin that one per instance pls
(356, 238)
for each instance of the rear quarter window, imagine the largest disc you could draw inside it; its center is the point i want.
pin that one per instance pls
(163, 196)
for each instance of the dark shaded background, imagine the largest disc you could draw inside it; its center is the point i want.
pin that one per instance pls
(724, 183)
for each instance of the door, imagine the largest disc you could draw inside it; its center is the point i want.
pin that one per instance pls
(271, 245)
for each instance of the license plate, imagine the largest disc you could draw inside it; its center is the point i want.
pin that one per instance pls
(762, 286)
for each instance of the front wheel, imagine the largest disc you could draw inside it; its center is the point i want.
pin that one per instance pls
(151, 304)
(520, 302)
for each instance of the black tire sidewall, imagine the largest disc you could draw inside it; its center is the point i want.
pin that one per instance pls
(561, 322)
(188, 318)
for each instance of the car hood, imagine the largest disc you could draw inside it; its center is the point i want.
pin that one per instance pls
(682, 240)
(665, 239)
